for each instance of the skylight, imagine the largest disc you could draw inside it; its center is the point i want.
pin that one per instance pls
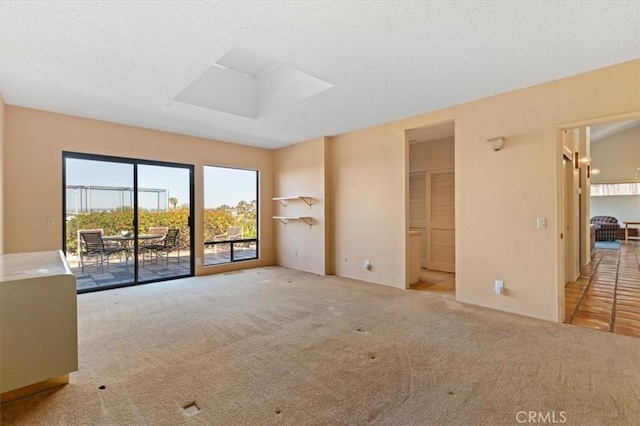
(249, 85)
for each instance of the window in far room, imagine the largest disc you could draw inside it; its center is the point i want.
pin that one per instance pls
(609, 189)
(230, 215)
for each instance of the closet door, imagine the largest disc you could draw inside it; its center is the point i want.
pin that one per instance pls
(418, 210)
(441, 250)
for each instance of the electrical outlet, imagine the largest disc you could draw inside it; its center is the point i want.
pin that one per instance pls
(198, 261)
(541, 222)
(50, 221)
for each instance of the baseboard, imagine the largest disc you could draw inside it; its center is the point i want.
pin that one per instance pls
(34, 388)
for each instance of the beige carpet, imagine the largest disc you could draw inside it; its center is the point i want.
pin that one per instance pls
(277, 346)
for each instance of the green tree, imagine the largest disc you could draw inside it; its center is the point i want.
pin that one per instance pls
(173, 201)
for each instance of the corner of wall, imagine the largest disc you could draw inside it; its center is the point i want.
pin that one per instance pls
(300, 171)
(2, 138)
(329, 244)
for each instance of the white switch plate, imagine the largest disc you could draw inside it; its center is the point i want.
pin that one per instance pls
(499, 286)
(367, 264)
(198, 261)
(541, 222)
(50, 221)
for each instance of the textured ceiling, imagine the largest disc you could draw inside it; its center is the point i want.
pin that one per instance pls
(124, 62)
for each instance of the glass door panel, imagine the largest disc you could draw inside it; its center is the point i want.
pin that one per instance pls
(164, 222)
(99, 202)
(230, 215)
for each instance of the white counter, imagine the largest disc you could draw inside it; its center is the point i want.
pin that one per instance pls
(38, 321)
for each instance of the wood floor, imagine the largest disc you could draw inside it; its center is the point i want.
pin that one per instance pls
(436, 282)
(607, 295)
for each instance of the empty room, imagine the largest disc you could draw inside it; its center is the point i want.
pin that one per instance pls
(321, 212)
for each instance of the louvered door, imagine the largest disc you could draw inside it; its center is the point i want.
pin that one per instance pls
(418, 210)
(440, 222)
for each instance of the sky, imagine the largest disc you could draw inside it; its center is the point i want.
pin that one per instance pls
(221, 185)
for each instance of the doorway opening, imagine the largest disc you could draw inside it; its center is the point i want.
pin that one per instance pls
(126, 221)
(431, 254)
(602, 188)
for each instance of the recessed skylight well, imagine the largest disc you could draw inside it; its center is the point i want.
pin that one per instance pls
(249, 85)
(241, 60)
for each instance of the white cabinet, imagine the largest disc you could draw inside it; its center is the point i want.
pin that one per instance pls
(38, 322)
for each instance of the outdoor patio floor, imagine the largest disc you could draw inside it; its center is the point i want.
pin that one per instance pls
(121, 272)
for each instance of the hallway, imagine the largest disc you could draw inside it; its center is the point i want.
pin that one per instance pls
(607, 295)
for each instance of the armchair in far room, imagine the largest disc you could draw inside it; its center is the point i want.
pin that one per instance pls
(606, 228)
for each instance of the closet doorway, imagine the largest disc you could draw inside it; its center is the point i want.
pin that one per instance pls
(432, 206)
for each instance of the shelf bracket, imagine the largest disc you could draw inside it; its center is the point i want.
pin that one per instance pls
(308, 200)
(307, 220)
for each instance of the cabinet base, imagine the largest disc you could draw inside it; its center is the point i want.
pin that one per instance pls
(34, 388)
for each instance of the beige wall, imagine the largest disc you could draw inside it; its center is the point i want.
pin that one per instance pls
(34, 142)
(617, 158)
(572, 141)
(499, 194)
(300, 171)
(2, 127)
(369, 179)
(585, 199)
(432, 155)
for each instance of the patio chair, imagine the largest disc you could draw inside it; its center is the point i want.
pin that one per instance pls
(167, 245)
(158, 230)
(93, 245)
(79, 240)
(233, 233)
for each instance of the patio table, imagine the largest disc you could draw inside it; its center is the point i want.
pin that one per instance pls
(124, 240)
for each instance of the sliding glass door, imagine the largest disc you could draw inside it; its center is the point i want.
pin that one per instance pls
(164, 216)
(127, 221)
(98, 205)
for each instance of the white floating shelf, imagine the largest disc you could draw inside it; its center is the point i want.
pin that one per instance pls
(286, 219)
(284, 200)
